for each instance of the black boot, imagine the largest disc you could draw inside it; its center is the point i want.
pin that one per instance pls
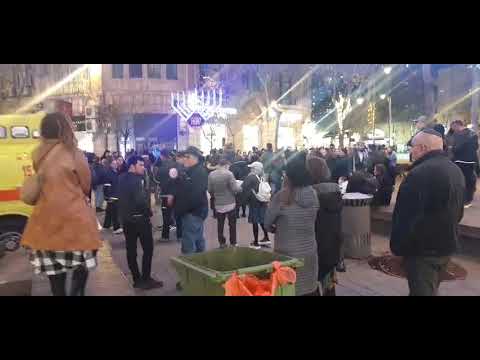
(330, 292)
(79, 281)
(57, 284)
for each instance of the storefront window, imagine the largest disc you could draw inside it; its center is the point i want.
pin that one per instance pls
(172, 72)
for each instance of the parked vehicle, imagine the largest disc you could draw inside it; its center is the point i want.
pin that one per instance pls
(19, 135)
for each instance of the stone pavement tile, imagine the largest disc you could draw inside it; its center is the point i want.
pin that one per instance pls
(163, 251)
(366, 281)
(359, 280)
(14, 266)
(16, 288)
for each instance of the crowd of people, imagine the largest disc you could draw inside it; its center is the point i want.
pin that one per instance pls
(295, 195)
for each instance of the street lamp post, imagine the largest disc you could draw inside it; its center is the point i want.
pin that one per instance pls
(389, 99)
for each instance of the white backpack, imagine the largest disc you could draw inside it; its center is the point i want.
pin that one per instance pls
(264, 191)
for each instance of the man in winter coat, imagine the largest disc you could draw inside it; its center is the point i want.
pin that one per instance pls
(465, 147)
(162, 176)
(135, 213)
(428, 209)
(110, 190)
(240, 170)
(191, 202)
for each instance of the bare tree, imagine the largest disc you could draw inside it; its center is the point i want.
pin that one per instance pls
(267, 75)
(117, 117)
(209, 136)
(341, 82)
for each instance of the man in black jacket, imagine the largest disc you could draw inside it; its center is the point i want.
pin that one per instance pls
(135, 214)
(98, 172)
(110, 190)
(191, 201)
(162, 177)
(427, 212)
(465, 147)
(240, 170)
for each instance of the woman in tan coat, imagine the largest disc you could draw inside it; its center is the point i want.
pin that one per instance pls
(62, 232)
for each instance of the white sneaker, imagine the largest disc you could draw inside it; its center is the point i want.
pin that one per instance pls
(263, 242)
(256, 247)
(118, 231)
(466, 206)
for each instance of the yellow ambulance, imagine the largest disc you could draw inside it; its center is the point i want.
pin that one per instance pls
(19, 135)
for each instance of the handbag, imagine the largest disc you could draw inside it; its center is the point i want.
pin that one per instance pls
(32, 185)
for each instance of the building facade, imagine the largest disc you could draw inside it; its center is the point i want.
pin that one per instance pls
(71, 88)
(128, 106)
(273, 103)
(114, 106)
(139, 97)
(457, 94)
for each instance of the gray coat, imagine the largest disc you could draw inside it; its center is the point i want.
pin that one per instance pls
(295, 234)
(223, 186)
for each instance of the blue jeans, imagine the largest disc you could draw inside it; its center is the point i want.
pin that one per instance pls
(193, 240)
(179, 225)
(99, 198)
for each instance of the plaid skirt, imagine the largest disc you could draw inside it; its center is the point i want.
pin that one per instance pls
(58, 262)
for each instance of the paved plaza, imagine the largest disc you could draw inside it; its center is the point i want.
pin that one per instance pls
(112, 277)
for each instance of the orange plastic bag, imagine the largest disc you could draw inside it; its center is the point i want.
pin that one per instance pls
(235, 287)
(282, 275)
(250, 285)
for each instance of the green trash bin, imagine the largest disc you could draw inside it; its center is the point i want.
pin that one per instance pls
(205, 273)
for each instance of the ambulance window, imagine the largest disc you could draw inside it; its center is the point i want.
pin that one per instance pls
(36, 134)
(20, 132)
(3, 133)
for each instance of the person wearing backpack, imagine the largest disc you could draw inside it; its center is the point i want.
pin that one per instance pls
(256, 193)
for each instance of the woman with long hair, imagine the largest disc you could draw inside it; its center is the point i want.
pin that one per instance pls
(62, 232)
(291, 216)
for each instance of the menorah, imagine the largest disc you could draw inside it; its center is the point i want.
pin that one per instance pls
(207, 104)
